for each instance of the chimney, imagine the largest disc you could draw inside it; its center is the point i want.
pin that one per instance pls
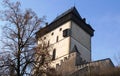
(84, 19)
(46, 24)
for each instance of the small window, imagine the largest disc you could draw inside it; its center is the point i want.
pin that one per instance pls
(57, 39)
(60, 29)
(52, 33)
(44, 38)
(54, 54)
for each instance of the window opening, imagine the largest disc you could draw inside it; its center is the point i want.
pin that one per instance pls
(54, 54)
(57, 39)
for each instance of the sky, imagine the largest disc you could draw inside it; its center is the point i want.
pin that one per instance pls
(102, 15)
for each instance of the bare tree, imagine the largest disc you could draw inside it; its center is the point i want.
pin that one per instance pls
(21, 56)
(42, 59)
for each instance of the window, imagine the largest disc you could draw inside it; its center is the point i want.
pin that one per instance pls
(66, 32)
(60, 29)
(57, 39)
(52, 33)
(48, 43)
(54, 54)
(44, 38)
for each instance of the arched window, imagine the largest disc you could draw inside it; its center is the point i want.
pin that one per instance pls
(54, 54)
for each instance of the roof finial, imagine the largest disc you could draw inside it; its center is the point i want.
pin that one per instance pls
(74, 3)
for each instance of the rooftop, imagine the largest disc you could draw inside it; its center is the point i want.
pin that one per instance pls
(70, 14)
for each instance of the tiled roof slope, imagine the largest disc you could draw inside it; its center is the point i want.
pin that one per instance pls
(71, 10)
(71, 14)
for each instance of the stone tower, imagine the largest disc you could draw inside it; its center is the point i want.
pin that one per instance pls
(68, 33)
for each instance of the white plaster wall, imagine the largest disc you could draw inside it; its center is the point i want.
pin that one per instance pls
(57, 32)
(62, 46)
(81, 36)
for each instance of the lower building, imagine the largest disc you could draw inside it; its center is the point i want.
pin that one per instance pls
(70, 67)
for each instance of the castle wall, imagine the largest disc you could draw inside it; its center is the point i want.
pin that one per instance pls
(61, 51)
(81, 36)
(51, 36)
(67, 66)
(63, 45)
(82, 40)
(95, 67)
(57, 42)
(84, 52)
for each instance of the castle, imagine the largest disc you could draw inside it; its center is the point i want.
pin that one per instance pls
(70, 38)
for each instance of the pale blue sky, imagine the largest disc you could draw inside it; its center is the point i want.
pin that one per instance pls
(102, 15)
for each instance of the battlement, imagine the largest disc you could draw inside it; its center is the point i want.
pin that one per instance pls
(66, 58)
(68, 65)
